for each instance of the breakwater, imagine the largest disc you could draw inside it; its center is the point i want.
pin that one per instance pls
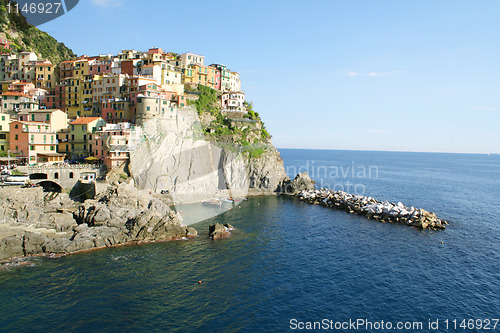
(373, 209)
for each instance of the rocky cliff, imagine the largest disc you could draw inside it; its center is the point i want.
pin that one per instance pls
(122, 214)
(175, 155)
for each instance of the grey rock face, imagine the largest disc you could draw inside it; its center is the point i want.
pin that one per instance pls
(174, 157)
(11, 246)
(119, 215)
(373, 209)
(302, 182)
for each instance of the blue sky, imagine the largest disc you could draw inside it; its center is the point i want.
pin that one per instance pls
(400, 75)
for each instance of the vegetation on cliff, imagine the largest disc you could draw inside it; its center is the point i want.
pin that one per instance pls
(243, 129)
(22, 36)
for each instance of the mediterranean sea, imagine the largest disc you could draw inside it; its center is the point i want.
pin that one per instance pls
(289, 264)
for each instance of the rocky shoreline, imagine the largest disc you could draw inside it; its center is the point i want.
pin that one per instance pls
(373, 209)
(120, 215)
(35, 223)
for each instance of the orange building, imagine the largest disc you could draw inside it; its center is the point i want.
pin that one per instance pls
(30, 138)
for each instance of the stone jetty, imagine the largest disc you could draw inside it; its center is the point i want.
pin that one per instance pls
(373, 209)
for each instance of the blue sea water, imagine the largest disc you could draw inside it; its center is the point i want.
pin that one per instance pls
(288, 260)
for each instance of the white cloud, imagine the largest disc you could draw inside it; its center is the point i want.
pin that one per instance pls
(373, 74)
(383, 74)
(107, 3)
(376, 74)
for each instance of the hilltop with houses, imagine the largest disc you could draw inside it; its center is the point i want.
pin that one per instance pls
(92, 107)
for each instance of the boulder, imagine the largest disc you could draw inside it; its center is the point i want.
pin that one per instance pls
(11, 246)
(218, 230)
(302, 182)
(34, 243)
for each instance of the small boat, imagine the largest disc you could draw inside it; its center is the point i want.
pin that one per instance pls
(16, 180)
(217, 202)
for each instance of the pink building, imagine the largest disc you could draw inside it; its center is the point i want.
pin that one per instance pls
(26, 88)
(100, 67)
(4, 43)
(112, 145)
(116, 111)
(28, 139)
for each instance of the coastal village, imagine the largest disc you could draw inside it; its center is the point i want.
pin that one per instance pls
(91, 109)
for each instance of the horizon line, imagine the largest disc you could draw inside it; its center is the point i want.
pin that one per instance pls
(393, 151)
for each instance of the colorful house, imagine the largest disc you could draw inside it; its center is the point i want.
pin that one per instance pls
(234, 81)
(45, 75)
(66, 68)
(233, 101)
(170, 75)
(213, 77)
(4, 131)
(14, 102)
(28, 139)
(224, 74)
(188, 58)
(114, 143)
(73, 90)
(57, 119)
(116, 111)
(81, 131)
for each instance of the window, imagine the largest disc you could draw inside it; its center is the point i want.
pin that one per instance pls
(17, 137)
(3, 117)
(32, 147)
(47, 117)
(32, 117)
(71, 175)
(56, 175)
(52, 148)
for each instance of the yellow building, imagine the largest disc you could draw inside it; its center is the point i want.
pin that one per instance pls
(169, 75)
(73, 96)
(108, 86)
(200, 74)
(63, 144)
(45, 76)
(81, 131)
(4, 131)
(81, 68)
(57, 119)
(87, 95)
(188, 75)
(212, 78)
(5, 85)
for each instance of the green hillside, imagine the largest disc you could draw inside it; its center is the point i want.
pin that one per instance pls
(25, 37)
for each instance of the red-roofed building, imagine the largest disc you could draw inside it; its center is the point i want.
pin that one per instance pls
(14, 102)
